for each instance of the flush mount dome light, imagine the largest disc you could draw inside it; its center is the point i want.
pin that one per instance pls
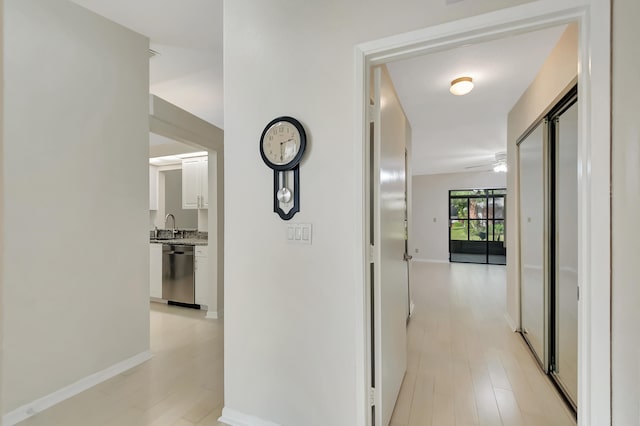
(461, 86)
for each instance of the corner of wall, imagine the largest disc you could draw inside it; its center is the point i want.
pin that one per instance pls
(1, 206)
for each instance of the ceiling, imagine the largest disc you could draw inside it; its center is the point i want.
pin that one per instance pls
(450, 133)
(188, 36)
(458, 133)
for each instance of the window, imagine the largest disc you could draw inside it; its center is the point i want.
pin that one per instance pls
(477, 226)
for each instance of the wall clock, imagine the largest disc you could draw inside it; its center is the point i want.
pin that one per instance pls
(282, 145)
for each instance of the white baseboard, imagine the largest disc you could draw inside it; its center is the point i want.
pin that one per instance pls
(214, 314)
(429, 260)
(511, 322)
(235, 418)
(41, 404)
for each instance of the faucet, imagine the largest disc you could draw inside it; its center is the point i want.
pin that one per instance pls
(166, 219)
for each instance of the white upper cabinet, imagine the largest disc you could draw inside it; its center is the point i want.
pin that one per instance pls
(153, 188)
(195, 188)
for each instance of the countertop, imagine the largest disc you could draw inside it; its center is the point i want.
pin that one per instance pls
(183, 241)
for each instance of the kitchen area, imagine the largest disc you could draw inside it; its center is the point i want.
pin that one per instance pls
(178, 223)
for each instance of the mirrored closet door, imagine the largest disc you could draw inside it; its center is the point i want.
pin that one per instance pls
(533, 282)
(548, 223)
(565, 360)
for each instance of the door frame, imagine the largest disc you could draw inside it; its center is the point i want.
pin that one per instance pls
(594, 217)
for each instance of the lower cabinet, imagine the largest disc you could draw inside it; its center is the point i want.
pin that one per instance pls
(202, 275)
(155, 270)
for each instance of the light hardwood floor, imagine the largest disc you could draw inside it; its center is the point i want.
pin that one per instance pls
(465, 366)
(182, 385)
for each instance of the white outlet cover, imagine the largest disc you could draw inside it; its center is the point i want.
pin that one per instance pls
(299, 233)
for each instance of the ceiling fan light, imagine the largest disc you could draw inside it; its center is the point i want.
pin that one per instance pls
(500, 168)
(461, 86)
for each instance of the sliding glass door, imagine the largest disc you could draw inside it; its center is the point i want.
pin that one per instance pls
(477, 226)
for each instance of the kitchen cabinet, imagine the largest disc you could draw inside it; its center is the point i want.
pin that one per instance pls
(202, 275)
(155, 271)
(195, 183)
(153, 188)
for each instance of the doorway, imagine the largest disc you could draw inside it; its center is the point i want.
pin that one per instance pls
(595, 394)
(172, 122)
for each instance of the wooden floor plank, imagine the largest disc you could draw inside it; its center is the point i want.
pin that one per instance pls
(181, 385)
(472, 369)
(465, 366)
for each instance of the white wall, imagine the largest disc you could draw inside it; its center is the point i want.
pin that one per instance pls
(76, 197)
(156, 217)
(626, 205)
(1, 205)
(430, 234)
(203, 220)
(557, 75)
(291, 326)
(184, 218)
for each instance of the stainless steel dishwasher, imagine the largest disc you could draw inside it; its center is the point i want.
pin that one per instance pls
(178, 278)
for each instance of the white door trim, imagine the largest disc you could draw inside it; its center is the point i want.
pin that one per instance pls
(594, 255)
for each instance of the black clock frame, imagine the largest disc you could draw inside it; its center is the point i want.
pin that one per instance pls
(293, 165)
(303, 144)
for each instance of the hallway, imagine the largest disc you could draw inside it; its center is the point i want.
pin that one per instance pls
(465, 366)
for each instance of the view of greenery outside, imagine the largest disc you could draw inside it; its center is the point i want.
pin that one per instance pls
(472, 215)
(459, 230)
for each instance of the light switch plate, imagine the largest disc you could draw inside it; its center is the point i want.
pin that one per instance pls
(299, 233)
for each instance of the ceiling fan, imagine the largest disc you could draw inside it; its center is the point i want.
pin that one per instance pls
(498, 166)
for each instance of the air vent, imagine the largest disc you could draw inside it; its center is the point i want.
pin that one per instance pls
(153, 53)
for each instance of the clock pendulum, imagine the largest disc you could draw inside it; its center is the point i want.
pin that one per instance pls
(282, 145)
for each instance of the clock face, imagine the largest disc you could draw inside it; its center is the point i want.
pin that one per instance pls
(282, 143)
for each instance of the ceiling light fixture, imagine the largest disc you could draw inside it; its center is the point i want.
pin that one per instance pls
(500, 168)
(461, 86)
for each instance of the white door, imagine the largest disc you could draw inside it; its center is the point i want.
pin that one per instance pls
(390, 268)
